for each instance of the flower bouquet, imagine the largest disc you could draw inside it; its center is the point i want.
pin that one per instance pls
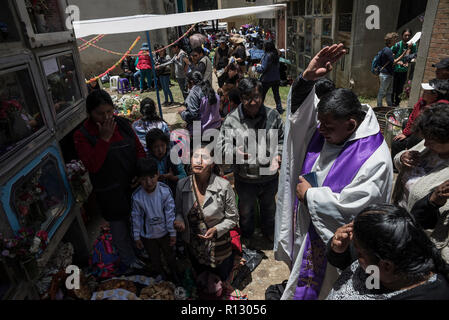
(21, 251)
(79, 180)
(406, 92)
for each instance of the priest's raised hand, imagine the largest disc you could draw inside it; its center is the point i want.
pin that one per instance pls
(322, 63)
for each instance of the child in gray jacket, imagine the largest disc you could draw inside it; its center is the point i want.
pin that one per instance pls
(153, 214)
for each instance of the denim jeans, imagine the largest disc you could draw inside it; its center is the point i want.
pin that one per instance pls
(145, 74)
(265, 193)
(385, 89)
(274, 85)
(165, 84)
(182, 86)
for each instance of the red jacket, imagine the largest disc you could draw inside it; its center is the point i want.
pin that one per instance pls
(417, 109)
(144, 61)
(94, 157)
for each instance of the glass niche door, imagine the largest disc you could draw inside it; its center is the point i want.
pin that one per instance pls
(39, 196)
(63, 81)
(46, 21)
(21, 117)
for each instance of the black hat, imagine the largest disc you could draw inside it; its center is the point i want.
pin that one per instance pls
(443, 64)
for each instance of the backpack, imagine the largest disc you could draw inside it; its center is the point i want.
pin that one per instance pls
(105, 261)
(376, 68)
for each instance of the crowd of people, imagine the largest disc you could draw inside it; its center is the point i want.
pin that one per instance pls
(328, 204)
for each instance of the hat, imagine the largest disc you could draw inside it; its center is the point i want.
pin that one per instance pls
(145, 46)
(443, 64)
(236, 40)
(431, 87)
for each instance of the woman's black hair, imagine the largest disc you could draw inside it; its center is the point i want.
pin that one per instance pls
(390, 233)
(97, 98)
(247, 85)
(198, 50)
(147, 167)
(197, 79)
(233, 67)
(156, 135)
(433, 123)
(234, 96)
(442, 88)
(407, 30)
(148, 110)
(271, 50)
(342, 104)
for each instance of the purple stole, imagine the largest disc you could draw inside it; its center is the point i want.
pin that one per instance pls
(343, 171)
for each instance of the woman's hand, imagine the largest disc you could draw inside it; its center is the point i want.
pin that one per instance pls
(400, 137)
(342, 238)
(440, 195)
(410, 159)
(321, 64)
(302, 188)
(209, 234)
(179, 226)
(139, 244)
(106, 130)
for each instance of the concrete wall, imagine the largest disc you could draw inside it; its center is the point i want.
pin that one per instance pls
(95, 61)
(366, 43)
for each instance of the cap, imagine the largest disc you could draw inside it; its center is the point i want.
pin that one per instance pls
(443, 64)
(221, 40)
(427, 86)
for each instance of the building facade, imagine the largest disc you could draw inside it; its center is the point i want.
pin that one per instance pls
(314, 24)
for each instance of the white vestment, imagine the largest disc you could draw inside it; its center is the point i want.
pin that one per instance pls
(328, 210)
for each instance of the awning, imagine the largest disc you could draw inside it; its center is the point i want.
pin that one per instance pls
(148, 22)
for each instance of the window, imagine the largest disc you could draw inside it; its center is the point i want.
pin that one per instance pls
(300, 25)
(63, 81)
(294, 8)
(345, 22)
(327, 6)
(40, 197)
(20, 115)
(299, 44)
(309, 7)
(308, 36)
(317, 7)
(301, 7)
(327, 28)
(8, 29)
(45, 15)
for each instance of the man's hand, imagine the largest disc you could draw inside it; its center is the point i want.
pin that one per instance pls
(275, 163)
(179, 226)
(410, 159)
(172, 241)
(106, 130)
(322, 63)
(400, 137)
(209, 234)
(135, 182)
(342, 238)
(301, 188)
(440, 195)
(181, 110)
(139, 244)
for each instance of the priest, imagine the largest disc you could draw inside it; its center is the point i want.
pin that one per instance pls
(335, 163)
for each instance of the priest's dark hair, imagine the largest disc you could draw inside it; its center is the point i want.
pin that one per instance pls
(97, 98)
(324, 86)
(387, 232)
(342, 104)
(433, 123)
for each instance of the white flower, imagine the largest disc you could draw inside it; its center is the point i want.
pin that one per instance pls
(36, 243)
